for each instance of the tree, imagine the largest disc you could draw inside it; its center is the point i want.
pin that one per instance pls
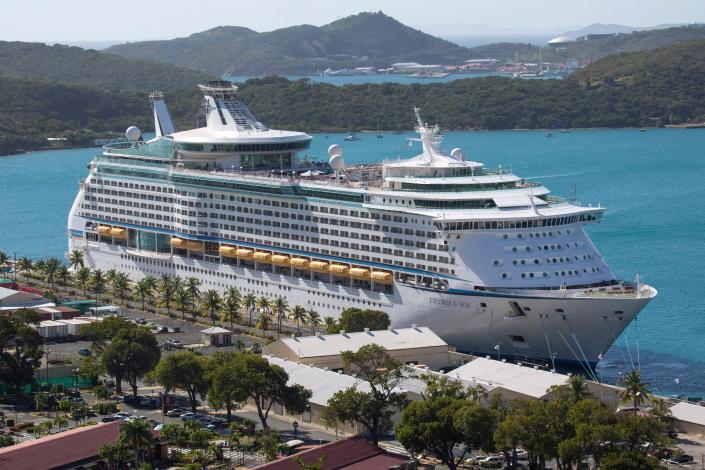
(61, 423)
(264, 322)
(269, 444)
(211, 303)
(183, 370)
(374, 408)
(4, 259)
(76, 259)
(354, 319)
(166, 290)
(635, 390)
(101, 392)
(20, 348)
(330, 325)
(51, 266)
(115, 455)
(314, 320)
(230, 310)
(132, 353)
(266, 384)
(280, 309)
(97, 282)
(629, 460)
(63, 273)
(83, 277)
(143, 289)
(224, 383)
(193, 287)
(137, 434)
(183, 299)
(250, 302)
(25, 266)
(299, 314)
(120, 283)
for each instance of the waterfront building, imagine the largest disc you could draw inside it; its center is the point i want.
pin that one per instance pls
(417, 345)
(489, 261)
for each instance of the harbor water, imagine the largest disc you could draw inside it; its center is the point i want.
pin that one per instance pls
(650, 182)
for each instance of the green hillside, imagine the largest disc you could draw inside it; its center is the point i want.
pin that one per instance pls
(91, 68)
(366, 39)
(632, 89)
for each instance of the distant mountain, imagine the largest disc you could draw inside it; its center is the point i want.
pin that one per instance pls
(601, 28)
(366, 39)
(91, 68)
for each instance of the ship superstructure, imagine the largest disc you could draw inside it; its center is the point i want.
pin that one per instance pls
(488, 260)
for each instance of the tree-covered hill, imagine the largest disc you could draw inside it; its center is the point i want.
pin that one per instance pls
(91, 68)
(366, 39)
(632, 89)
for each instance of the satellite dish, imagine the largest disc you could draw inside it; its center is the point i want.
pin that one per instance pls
(133, 133)
(335, 150)
(458, 154)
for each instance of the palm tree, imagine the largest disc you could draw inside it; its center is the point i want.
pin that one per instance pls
(98, 283)
(192, 285)
(4, 259)
(230, 311)
(136, 432)
(280, 309)
(314, 320)
(299, 314)
(39, 265)
(120, 283)
(83, 277)
(578, 387)
(76, 259)
(635, 390)
(51, 266)
(239, 345)
(264, 321)
(25, 266)
(250, 302)
(183, 299)
(329, 325)
(110, 275)
(165, 288)
(114, 455)
(63, 274)
(211, 303)
(143, 289)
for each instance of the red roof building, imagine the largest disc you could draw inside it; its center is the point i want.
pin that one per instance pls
(354, 453)
(78, 447)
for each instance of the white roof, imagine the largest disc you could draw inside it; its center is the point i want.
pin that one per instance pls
(12, 299)
(52, 323)
(73, 321)
(214, 330)
(517, 199)
(520, 379)
(561, 40)
(416, 385)
(333, 345)
(439, 160)
(689, 412)
(205, 135)
(322, 383)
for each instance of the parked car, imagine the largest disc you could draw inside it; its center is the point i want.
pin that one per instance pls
(680, 459)
(187, 416)
(122, 415)
(176, 412)
(141, 321)
(109, 419)
(176, 344)
(85, 352)
(162, 329)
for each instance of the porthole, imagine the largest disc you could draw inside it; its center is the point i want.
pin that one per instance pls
(545, 274)
(514, 262)
(528, 248)
(514, 249)
(496, 262)
(531, 274)
(505, 275)
(536, 261)
(523, 275)
(505, 236)
(523, 262)
(519, 235)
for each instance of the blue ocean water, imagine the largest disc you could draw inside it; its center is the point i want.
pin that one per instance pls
(651, 183)
(383, 78)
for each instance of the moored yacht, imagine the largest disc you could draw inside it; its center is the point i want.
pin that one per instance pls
(488, 260)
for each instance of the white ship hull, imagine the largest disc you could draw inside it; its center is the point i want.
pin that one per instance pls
(555, 324)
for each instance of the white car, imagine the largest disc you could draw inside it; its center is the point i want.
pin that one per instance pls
(493, 459)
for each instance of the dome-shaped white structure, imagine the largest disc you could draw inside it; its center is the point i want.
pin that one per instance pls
(336, 162)
(560, 40)
(334, 150)
(458, 154)
(133, 133)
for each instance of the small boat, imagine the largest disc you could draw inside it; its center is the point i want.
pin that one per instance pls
(643, 129)
(565, 131)
(379, 134)
(548, 134)
(351, 137)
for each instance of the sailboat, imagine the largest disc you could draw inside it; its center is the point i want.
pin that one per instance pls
(379, 134)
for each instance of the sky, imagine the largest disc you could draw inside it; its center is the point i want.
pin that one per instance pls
(133, 20)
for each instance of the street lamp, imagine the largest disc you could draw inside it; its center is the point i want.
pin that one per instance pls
(47, 351)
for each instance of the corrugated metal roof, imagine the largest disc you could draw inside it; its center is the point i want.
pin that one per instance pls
(519, 379)
(689, 413)
(391, 340)
(322, 383)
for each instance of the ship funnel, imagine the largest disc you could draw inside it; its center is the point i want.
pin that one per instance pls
(163, 123)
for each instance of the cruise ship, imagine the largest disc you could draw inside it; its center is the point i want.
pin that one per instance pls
(488, 260)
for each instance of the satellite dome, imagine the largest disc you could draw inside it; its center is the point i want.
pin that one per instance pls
(335, 152)
(133, 133)
(458, 154)
(560, 40)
